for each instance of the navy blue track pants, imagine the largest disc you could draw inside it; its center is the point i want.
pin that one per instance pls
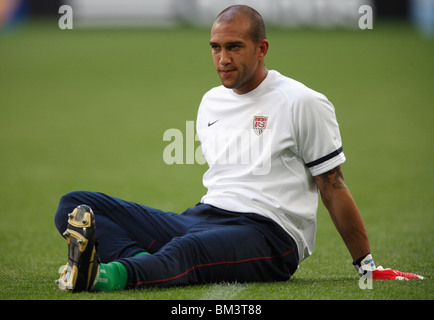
(204, 244)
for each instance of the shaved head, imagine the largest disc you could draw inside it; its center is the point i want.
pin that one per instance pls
(237, 12)
(239, 47)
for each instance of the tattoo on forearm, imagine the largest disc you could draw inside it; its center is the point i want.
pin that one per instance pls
(335, 177)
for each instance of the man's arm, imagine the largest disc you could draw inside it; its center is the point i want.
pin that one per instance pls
(348, 221)
(343, 212)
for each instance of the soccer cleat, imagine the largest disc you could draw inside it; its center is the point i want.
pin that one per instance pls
(83, 263)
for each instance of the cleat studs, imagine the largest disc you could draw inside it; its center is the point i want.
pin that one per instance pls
(84, 221)
(71, 215)
(66, 234)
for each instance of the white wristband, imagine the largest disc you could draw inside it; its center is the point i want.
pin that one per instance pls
(366, 265)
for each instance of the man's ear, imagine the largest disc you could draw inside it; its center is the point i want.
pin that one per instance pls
(263, 48)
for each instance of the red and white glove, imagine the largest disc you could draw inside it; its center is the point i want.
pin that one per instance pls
(366, 265)
(388, 274)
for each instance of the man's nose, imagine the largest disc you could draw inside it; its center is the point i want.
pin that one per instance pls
(225, 58)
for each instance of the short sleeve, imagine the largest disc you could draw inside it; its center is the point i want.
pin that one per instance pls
(318, 137)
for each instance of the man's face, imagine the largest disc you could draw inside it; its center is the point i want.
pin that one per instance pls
(236, 57)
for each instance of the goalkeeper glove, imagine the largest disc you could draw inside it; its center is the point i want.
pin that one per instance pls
(366, 265)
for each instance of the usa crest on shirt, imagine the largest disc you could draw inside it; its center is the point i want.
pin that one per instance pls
(259, 124)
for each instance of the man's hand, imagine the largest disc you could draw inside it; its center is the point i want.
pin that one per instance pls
(388, 274)
(366, 268)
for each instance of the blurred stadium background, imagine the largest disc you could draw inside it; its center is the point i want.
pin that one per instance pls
(282, 13)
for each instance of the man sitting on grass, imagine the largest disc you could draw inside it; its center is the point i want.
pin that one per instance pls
(271, 143)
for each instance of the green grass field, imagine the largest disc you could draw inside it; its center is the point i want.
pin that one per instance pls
(88, 109)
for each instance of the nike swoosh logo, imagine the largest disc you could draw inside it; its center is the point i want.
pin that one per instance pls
(211, 123)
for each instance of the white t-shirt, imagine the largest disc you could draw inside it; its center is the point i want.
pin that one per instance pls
(263, 149)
